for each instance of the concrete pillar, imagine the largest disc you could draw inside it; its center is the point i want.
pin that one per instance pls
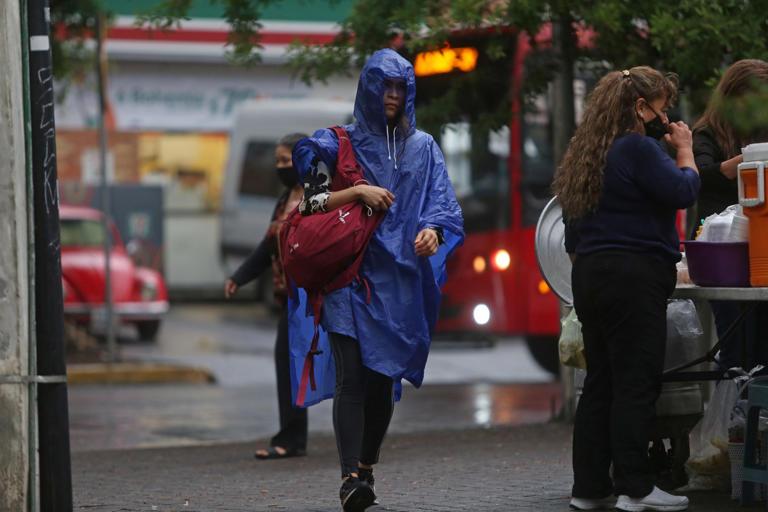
(14, 298)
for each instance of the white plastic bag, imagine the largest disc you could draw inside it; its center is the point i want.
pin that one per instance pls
(730, 225)
(684, 333)
(708, 467)
(571, 344)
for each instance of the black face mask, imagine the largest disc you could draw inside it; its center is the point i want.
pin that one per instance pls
(288, 176)
(655, 128)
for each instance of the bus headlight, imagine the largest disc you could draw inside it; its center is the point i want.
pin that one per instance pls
(501, 260)
(481, 314)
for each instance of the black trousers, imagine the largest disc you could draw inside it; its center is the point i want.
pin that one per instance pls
(293, 420)
(621, 300)
(362, 406)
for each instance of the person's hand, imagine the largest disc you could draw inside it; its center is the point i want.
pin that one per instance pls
(376, 197)
(680, 136)
(426, 242)
(230, 288)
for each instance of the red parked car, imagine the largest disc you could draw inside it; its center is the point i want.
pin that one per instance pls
(139, 294)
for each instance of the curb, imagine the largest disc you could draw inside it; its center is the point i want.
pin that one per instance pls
(137, 373)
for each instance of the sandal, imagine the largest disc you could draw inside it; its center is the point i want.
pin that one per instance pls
(272, 453)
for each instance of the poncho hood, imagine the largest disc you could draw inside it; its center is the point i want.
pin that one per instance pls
(369, 103)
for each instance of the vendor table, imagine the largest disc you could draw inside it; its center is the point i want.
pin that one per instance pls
(747, 296)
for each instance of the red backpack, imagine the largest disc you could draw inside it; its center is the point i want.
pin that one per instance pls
(323, 252)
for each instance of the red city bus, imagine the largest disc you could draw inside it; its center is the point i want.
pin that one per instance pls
(502, 179)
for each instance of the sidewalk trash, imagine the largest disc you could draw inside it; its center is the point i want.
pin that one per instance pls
(571, 344)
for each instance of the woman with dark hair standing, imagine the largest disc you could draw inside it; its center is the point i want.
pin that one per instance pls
(291, 441)
(717, 147)
(620, 193)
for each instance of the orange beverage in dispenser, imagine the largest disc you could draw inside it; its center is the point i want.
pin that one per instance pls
(752, 188)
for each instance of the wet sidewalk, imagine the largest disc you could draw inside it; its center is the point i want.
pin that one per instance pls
(500, 469)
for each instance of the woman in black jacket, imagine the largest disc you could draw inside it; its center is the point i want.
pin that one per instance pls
(717, 147)
(291, 441)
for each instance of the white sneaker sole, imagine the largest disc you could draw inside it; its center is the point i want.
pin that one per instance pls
(625, 507)
(592, 506)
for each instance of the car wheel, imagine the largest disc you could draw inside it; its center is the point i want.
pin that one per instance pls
(148, 329)
(545, 352)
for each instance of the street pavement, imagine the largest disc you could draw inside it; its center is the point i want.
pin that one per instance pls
(491, 470)
(478, 436)
(466, 386)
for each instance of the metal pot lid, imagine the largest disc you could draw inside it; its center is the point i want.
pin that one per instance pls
(554, 263)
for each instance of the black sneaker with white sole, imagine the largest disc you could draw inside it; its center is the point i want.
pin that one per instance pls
(356, 495)
(366, 475)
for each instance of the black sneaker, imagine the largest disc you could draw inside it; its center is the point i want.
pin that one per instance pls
(356, 495)
(366, 475)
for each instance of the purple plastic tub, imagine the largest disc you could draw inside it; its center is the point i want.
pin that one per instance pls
(718, 263)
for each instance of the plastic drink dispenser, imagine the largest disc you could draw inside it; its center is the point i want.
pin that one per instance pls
(751, 183)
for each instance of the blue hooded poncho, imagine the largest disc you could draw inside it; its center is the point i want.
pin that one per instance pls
(394, 330)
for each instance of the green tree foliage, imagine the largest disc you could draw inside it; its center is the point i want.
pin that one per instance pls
(694, 38)
(73, 22)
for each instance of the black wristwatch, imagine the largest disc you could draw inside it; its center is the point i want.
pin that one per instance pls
(439, 232)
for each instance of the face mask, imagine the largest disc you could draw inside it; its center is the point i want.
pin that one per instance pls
(288, 176)
(655, 128)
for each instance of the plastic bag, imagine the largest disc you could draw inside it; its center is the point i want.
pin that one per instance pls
(571, 344)
(684, 332)
(730, 225)
(708, 467)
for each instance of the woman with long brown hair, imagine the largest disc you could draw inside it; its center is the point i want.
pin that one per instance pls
(717, 147)
(620, 192)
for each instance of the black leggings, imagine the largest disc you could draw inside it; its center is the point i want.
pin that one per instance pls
(362, 406)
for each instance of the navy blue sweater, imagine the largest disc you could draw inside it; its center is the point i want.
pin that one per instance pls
(642, 190)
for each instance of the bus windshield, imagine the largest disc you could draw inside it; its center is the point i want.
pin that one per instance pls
(477, 164)
(537, 159)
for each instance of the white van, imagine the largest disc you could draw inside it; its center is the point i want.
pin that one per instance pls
(251, 187)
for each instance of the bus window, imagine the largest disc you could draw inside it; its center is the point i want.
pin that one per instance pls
(477, 164)
(537, 159)
(257, 176)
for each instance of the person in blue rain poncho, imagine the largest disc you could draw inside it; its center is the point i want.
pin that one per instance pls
(381, 338)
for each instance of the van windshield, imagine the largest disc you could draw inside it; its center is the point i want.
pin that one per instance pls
(257, 171)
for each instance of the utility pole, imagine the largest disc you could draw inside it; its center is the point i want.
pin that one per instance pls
(14, 270)
(564, 43)
(564, 123)
(52, 406)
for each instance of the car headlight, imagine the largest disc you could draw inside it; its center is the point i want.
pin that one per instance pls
(148, 291)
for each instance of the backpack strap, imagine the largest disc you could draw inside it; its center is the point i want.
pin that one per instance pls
(348, 171)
